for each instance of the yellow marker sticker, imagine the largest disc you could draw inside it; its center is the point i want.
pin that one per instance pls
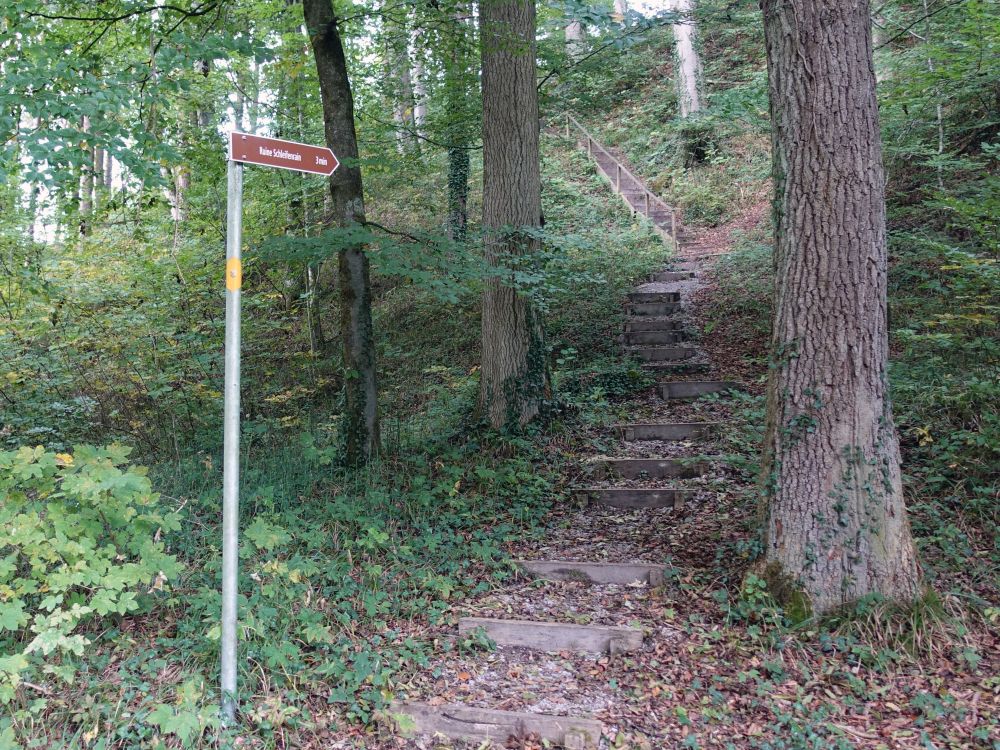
(234, 274)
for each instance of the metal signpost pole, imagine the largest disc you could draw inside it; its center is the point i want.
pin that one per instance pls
(231, 438)
(244, 148)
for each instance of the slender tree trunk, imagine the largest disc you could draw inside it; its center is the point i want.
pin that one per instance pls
(98, 176)
(938, 111)
(405, 136)
(317, 338)
(620, 9)
(457, 76)
(836, 526)
(86, 180)
(688, 64)
(109, 162)
(419, 86)
(514, 372)
(182, 182)
(361, 425)
(576, 45)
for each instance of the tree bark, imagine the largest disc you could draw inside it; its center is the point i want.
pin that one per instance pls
(86, 180)
(403, 108)
(576, 45)
(458, 74)
(98, 176)
(361, 424)
(514, 374)
(836, 527)
(688, 64)
(419, 86)
(108, 170)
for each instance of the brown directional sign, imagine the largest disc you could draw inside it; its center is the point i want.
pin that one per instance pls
(273, 152)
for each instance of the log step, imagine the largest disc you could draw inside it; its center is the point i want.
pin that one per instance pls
(676, 368)
(667, 431)
(694, 388)
(652, 324)
(458, 722)
(663, 353)
(618, 573)
(654, 468)
(555, 636)
(653, 308)
(639, 338)
(627, 497)
(666, 277)
(641, 297)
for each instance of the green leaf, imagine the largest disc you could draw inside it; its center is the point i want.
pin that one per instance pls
(12, 616)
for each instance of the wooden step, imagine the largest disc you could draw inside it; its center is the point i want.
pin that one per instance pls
(639, 338)
(667, 431)
(662, 286)
(663, 353)
(665, 277)
(629, 497)
(681, 389)
(653, 308)
(555, 636)
(458, 722)
(652, 324)
(593, 572)
(676, 369)
(654, 468)
(654, 297)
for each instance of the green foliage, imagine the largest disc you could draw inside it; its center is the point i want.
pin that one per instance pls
(82, 544)
(945, 386)
(754, 606)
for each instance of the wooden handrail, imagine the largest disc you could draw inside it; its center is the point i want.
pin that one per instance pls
(592, 142)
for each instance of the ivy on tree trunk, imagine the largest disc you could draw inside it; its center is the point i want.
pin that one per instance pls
(514, 377)
(836, 525)
(361, 424)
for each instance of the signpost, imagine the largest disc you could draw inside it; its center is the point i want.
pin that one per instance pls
(244, 148)
(271, 152)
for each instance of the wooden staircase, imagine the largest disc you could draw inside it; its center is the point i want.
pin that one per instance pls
(656, 335)
(630, 188)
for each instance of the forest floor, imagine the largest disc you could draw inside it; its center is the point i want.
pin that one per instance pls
(719, 667)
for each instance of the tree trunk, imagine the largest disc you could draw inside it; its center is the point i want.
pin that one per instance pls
(86, 180)
(361, 426)
(514, 374)
(576, 45)
(403, 110)
(457, 86)
(108, 170)
(98, 176)
(419, 86)
(620, 10)
(688, 64)
(836, 526)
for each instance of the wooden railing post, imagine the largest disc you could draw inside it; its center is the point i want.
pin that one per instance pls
(673, 225)
(590, 149)
(647, 203)
(567, 124)
(618, 178)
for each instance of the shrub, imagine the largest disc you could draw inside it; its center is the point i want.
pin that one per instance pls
(81, 541)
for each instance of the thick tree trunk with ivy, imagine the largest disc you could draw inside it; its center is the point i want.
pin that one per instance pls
(514, 375)
(836, 526)
(361, 424)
